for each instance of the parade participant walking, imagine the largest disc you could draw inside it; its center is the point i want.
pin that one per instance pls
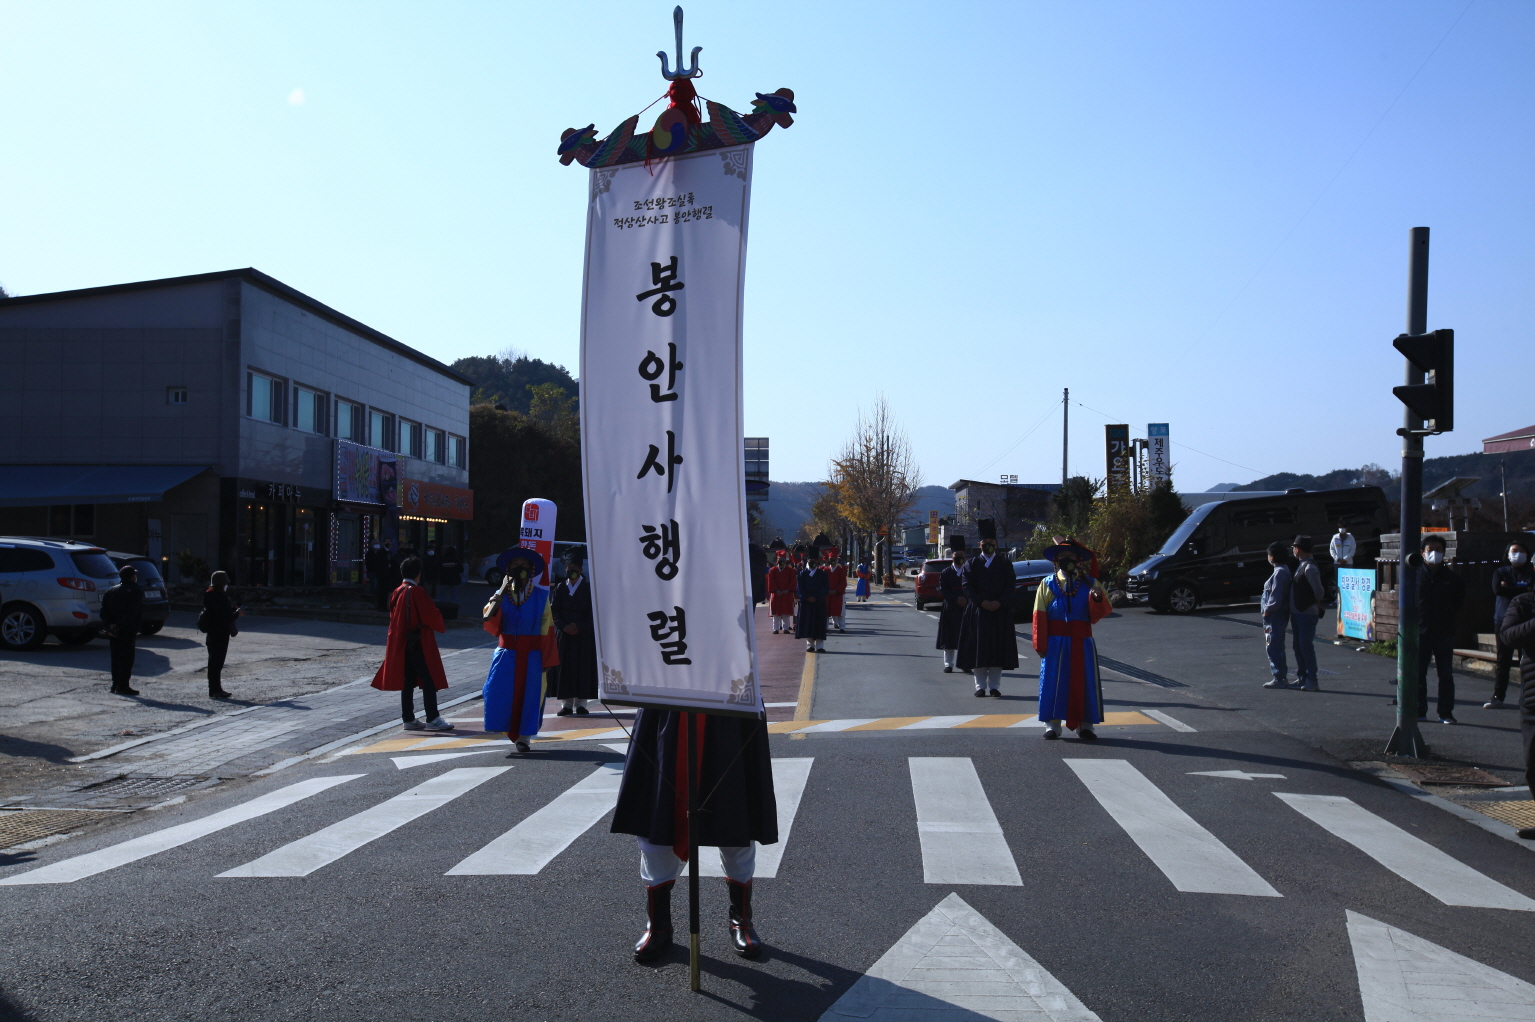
(1440, 595)
(1306, 594)
(1518, 632)
(1275, 608)
(987, 643)
(411, 659)
(1509, 582)
(1066, 606)
(520, 618)
(736, 808)
(951, 586)
(122, 611)
(811, 623)
(836, 590)
(782, 583)
(571, 611)
(219, 621)
(862, 589)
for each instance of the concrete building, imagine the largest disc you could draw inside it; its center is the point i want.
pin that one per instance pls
(1016, 508)
(226, 417)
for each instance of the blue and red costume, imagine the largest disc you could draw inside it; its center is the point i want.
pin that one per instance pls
(1066, 607)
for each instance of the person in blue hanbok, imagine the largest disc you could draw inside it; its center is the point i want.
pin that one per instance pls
(1066, 606)
(527, 647)
(861, 590)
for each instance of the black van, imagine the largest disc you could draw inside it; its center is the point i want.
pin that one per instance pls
(1220, 552)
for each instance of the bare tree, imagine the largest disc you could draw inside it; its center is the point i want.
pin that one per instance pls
(876, 478)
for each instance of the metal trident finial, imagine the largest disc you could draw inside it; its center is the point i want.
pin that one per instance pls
(666, 71)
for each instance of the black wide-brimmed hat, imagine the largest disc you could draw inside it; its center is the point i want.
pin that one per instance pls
(1071, 547)
(533, 557)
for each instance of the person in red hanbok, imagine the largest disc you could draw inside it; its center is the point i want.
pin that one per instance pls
(836, 593)
(411, 659)
(783, 583)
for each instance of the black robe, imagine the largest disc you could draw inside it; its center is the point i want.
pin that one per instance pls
(577, 673)
(815, 584)
(735, 782)
(986, 637)
(951, 586)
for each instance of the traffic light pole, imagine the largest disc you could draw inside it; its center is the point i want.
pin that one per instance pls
(1406, 740)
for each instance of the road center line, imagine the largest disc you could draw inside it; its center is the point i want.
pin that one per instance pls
(962, 841)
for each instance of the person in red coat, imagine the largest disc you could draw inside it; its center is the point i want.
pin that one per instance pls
(783, 583)
(411, 659)
(836, 592)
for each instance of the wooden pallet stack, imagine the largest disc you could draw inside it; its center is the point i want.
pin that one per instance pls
(1474, 556)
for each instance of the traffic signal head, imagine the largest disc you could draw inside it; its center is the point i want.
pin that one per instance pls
(1433, 401)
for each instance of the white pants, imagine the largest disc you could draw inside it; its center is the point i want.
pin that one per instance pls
(571, 704)
(1057, 725)
(988, 678)
(836, 622)
(950, 657)
(781, 623)
(814, 644)
(659, 864)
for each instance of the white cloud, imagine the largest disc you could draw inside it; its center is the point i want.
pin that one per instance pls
(296, 97)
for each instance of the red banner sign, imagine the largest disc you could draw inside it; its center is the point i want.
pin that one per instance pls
(434, 500)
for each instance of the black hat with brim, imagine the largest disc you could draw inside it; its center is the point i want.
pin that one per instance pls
(533, 557)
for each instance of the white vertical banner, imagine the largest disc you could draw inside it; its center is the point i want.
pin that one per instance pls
(662, 432)
(1159, 465)
(536, 532)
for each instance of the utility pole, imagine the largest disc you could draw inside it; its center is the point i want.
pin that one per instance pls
(1065, 429)
(1406, 740)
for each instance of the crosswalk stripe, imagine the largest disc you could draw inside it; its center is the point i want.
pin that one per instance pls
(935, 722)
(1170, 721)
(997, 720)
(886, 724)
(584, 735)
(836, 725)
(530, 846)
(961, 840)
(1191, 857)
(1414, 860)
(323, 847)
(789, 779)
(91, 863)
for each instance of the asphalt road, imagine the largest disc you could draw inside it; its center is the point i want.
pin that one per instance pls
(1116, 878)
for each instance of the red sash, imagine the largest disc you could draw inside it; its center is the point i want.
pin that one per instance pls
(522, 645)
(1076, 692)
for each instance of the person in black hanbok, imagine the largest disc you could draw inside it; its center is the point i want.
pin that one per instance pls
(570, 605)
(987, 643)
(736, 808)
(814, 587)
(951, 586)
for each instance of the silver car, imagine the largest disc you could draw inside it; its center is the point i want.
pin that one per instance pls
(51, 587)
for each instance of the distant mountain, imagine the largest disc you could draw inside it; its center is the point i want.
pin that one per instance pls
(1520, 467)
(505, 380)
(788, 505)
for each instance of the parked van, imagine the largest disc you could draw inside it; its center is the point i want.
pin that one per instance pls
(1220, 552)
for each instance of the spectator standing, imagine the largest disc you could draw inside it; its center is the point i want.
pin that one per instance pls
(122, 611)
(431, 569)
(570, 606)
(376, 567)
(452, 573)
(1518, 632)
(1306, 594)
(1440, 595)
(1275, 607)
(1343, 547)
(1509, 582)
(219, 622)
(411, 659)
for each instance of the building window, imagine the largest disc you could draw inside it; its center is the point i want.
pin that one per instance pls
(349, 421)
(266, 398)
(434, 450)
(381, 429)
(309, 410)
(410, 438)
(456, 451)
(175, 395)
(72, 520)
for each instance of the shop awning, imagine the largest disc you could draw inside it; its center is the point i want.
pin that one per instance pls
(33, 485)
(1517, 440)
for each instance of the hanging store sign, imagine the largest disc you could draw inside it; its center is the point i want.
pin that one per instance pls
(1159, 465)
(1116, 452)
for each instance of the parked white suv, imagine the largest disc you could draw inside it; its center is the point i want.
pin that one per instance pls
(51, 587)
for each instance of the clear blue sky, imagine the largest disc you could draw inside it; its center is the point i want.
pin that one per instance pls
(1190, 212)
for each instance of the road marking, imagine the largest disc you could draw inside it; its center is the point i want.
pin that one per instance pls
(406, 762)
(91, 863)
(886, 724)
(933, 722)
(1414, 860)
(836, 725)
(789, 779)
(806, 688)
(1172, 722)
(302, 857)
(962, 841)
(584, 735)
(622, 748)
(954, 964)
(1191, 857)
(777, 706)
(528, 847)
(1235, 775)
(1404, 977)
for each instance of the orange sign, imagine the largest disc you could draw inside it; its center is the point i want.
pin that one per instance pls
(434, 500)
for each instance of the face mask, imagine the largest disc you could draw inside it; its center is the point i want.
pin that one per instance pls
(572, 573)
(1433, 557)
(1517, 557)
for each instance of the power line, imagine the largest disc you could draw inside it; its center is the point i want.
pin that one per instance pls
(1020, 440)
(1176, 443)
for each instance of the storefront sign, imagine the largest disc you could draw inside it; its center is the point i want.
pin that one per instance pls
(661, 424)
(1159, 466)
(1356, 603)
(1116, 450)
(365, 475)
(932, 527)
(434, 500)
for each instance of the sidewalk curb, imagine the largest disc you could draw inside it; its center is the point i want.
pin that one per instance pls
(1471, 816)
